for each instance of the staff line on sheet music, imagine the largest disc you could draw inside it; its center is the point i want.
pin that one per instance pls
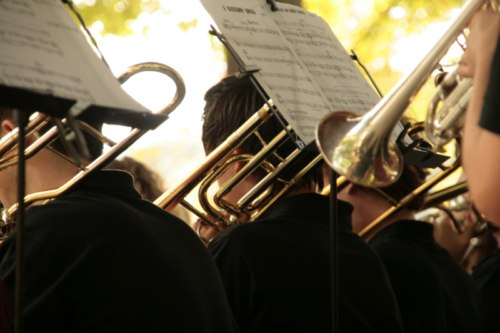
(231, 26)
(300, 61)
(285, 76)
(325, 56)
(339, 68)
(309, 35)
(294, 101)
(347, 92)
(13, 6)
(60, 89)
(31, 29)
(298, 24)
(51, 3)
(335, 75)
(306, 118)
(268, 59)
(30, 42)
(294, 89)
(347, 101)
(311, 43)
(42, 71)
(261, 46)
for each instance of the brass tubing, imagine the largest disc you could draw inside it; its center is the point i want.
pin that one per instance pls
(201, 215)
(95, 165)
(378, 224)
(253, 164)
(446, 194)
(210, 179)
(10, 140)
(34, 148)
(255, 192)
(174, 196)
(120, 147)
(290, 186)
(342, 182)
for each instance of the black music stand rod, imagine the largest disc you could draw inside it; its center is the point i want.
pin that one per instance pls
(20, 120)
(334, 250)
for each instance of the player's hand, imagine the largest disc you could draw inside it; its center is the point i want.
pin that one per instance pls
(481, 42)
(205, 231)
(453, 240)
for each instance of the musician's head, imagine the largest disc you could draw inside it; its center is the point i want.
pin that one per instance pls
(95, 146)
(228, 105)
(46, 169)
(369, 203)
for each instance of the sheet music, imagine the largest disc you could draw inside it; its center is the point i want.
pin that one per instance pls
(43, 49)
(304, 68)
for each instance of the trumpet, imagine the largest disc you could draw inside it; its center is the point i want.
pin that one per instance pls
(40, 120)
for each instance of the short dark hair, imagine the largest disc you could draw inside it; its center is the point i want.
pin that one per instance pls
(229, 104)
(95, 145)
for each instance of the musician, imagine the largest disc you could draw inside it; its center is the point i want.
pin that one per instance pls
(147, 182)
(101, 259)
(434, 293)
(276, 270)
(481, 146)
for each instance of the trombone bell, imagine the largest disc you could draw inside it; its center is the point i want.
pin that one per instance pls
(362, 157)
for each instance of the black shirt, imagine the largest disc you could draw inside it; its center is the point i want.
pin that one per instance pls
(486, 277)
(276, 272)
(490, 119)
(101, 259)
(5, 310)
(435, 294)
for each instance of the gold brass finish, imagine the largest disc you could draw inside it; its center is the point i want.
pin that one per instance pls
(117, 149)
(259, 198)
(170, 199)
(378, 224)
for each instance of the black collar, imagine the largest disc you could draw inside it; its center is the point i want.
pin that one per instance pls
(417, 230)
(309, 207)
(109, 181)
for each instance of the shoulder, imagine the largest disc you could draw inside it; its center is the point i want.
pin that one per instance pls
(87, 213)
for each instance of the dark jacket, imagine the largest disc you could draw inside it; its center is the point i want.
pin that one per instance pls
(276, 272)
(435, 294)
(101, 259)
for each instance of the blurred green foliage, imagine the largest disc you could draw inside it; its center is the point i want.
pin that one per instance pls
(371, 28)
(115, 14)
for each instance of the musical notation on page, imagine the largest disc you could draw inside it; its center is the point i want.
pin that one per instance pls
(42, 49)
(304, 68)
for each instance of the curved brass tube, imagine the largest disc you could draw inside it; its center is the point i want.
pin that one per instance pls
(366, 155)
(114, 152)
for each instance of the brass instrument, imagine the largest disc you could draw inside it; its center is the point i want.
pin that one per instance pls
(366, 155)
(443, 125)
(255, 202)
(97, 164)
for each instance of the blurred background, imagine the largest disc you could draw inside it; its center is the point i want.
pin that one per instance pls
(389, 36)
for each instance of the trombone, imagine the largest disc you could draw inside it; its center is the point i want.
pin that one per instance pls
(365, 154)
(8, 143)
(250, 207)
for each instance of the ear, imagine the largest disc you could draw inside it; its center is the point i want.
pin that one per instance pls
(8, 126)
(351, 188)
